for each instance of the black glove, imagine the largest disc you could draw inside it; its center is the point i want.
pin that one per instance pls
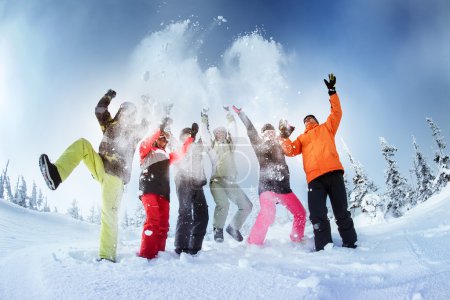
(330, 84)
(285, 129)
(194, 130)
(164, 123)
(111, 94)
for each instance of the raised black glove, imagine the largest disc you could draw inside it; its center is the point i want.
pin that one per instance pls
(111, 93)
(194, 130)
(285, 129)
(330, 84)
(164, 123)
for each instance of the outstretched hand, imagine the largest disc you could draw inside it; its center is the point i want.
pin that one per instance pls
(237, 110)
(194, 130)
(285, 129)
(111, 93)
(330, 84)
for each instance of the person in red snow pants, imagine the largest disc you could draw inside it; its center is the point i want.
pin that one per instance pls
(155, 188)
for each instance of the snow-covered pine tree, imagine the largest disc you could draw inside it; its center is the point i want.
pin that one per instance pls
(39, 200)
(442, 160)
(74, 211)
(32, 203)
(21, 192)
(125, 220)
(139, 216)
(46, 208)
(363, 196)
(423, 175)
(91, 215)
(398, 196)
(2, 189)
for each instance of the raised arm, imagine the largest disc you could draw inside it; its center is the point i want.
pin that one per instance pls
(146, 144)
(101, 110)
(251, 130)
(335, 116)
(179, 154)
(291, 148)
(205, 134)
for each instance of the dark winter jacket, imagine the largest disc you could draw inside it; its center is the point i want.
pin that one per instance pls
(155, 163)
(119, 140)
(189, 170)
(274, 173)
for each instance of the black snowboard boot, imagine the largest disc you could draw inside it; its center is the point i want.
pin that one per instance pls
(235, 233)
(218, 234)
(50, 172)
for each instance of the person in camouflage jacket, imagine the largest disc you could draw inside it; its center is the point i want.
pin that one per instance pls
(111, 166)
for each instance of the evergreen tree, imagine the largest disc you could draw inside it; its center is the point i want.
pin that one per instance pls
(32, 204)
(74, 211)
(94, 215)
(126, 220)
(21, 192)
(423, 175)
(46, 208)
(40, 200)
(442, 160)
(363, 196)
(3, 179)
(139, 216)
(2, 189)
(7, 192)
(399, 194)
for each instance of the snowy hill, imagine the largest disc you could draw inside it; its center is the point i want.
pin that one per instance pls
(50, 256)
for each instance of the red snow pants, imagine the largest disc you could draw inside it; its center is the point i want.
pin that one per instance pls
(156, 226)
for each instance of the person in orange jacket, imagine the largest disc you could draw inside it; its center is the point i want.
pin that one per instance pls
(324, 172)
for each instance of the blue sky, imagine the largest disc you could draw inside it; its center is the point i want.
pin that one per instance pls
(58, 57)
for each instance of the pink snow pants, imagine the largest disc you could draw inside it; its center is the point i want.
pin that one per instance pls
(266, 216)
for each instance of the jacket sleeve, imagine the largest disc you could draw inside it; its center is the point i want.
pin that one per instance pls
(334, 119)
(146, 144)
(102, 113)
(232, 130)
(251, 130)
(178, 155)
(291, 148)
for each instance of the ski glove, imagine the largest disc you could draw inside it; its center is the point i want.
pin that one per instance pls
(330, 84)
(205, 119)
(285, 129)
(237, 110)
(194, 130)
(165, 123)
(111, 94)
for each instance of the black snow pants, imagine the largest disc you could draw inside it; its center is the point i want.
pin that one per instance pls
(192, 217)
(330, 184)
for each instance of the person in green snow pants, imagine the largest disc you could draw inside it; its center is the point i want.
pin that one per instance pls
(111, 166)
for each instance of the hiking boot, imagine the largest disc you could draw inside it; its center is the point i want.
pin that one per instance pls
(99, 259)
(235, 233)
(218, 234)
(352, 246)
(50, 172)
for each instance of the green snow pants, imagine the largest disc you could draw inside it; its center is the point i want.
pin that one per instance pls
(222, 190)
(112, 190)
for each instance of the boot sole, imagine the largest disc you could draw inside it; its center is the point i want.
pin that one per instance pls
(45, 173)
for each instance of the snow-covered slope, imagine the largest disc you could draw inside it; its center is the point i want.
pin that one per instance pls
(48, 256)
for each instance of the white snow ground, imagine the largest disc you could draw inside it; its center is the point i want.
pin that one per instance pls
(50, 256)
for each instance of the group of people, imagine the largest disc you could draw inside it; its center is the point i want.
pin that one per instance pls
(111, 167)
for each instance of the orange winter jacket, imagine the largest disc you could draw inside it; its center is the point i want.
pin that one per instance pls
(317, 144)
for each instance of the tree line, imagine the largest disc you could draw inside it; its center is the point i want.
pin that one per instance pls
(399, 196)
